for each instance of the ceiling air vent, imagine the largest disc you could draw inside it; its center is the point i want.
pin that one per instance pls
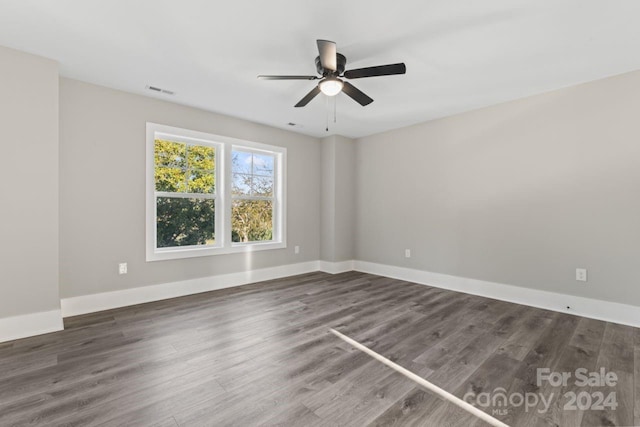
(160, 90)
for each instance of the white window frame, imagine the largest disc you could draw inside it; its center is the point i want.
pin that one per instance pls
(223, 196)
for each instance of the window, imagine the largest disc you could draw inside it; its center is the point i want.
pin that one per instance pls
(208, 194)
(252, 194)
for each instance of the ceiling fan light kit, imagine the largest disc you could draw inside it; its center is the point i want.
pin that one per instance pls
(331, 86)
(331, 66)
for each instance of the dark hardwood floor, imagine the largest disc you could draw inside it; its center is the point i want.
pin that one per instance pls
(262, 354)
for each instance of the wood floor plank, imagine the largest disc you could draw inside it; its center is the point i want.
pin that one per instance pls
(520, 342)
(547, 348)
(410, 410)
(450, 415)
(617, 356)
(359, 396)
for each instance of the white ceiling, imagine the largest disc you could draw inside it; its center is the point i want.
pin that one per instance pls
(460, 55)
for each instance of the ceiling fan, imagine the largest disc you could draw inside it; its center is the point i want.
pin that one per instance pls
(331, 66)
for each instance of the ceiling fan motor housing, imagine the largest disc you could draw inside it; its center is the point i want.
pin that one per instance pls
(341, 60)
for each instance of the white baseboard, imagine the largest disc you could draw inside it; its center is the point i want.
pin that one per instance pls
(580, 306)
(40, 323)
(336, 267)
(28, 325)
(105, 301)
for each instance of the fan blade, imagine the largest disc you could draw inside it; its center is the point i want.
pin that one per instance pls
(328, 57)
(380, 70)
(308, 97)
(261, 77)
(356, 94)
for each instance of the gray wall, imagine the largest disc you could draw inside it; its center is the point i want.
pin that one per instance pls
(345, 164)
(521, 193)
(28, 184)
(102, 191)
(337, 199)
(328, 199)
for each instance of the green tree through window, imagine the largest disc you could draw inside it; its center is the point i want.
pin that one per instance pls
(185, 194)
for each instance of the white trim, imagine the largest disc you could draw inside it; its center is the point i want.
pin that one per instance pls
(105, 301)
(580, 306)
(28, 325)
(17, 327)
(336, 267)
(198, 251)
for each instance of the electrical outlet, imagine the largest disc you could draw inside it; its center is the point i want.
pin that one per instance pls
(581, 274)
(407, 253)
(122, 268)
(296, 249)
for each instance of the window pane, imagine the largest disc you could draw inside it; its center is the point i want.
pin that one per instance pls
(201, 157)
(262, 186)
(180, 167)
(201, 181)
(241, 184)
(171, 154)
(263, 164)
(251, 220)
(241, 162)
(170, 179)
(185, 222)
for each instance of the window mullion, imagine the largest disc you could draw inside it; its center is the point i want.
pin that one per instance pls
(271, 198)
(185, 195)
(186, 168)
(227, 199)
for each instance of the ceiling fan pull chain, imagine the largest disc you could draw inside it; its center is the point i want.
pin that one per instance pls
(335, 108)
(327, 110)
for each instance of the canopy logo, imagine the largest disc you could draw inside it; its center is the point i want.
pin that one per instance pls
(597, 398)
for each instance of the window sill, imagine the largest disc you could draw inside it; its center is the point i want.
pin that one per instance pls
(210, 251)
